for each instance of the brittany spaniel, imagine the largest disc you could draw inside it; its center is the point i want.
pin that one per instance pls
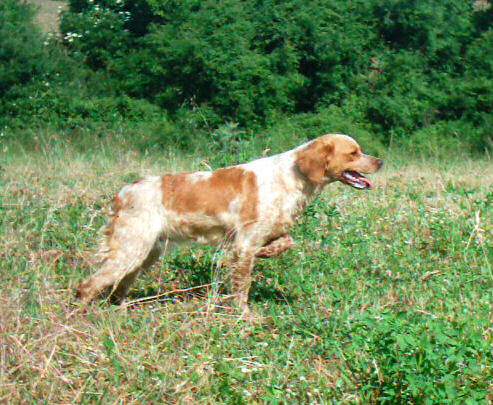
(251, 204)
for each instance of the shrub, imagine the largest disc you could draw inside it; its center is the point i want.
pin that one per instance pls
(449, 138)
(438, 30)
(96, 32)
(243, 62)
(22, 53)
(390, 68)
(290, 131)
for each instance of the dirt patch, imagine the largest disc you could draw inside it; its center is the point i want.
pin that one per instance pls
(48, 12)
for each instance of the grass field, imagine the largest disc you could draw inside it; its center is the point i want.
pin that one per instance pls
(386, 297)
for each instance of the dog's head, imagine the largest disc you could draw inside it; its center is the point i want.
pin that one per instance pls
(336, 157)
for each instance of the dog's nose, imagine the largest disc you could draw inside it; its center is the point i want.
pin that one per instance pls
(379, 163)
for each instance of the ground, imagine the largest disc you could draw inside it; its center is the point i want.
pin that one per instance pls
(385, 297)
(48, 12)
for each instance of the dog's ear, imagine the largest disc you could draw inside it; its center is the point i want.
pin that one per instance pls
(312, 160)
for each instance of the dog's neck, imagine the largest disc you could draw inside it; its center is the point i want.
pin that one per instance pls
(302, 189)
(308, 188)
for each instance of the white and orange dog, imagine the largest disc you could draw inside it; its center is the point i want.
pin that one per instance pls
(253, 204)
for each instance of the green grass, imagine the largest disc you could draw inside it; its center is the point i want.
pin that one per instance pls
(386, 297)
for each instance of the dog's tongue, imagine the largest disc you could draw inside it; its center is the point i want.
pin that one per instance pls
(360, 178)
(367, 182)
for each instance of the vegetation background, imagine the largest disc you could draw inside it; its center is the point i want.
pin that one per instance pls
(193, 72)
(387, 296)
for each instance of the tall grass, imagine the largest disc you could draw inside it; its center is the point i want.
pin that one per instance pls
(385, 298)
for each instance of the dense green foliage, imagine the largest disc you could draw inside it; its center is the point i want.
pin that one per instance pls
(394, 66)
(20, 53)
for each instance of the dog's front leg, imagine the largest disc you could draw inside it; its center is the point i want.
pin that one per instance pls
(276, 246)
(241, 277)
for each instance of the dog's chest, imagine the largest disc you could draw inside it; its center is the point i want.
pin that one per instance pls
(280, 200)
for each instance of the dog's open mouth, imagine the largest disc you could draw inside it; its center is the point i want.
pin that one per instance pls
(356, 180)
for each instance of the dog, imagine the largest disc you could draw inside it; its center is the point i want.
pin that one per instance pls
(253, 205)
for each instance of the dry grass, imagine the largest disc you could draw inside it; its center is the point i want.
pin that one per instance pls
(417, 245)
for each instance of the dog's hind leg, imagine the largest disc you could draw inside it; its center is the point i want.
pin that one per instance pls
(130, 246)
(120, 292)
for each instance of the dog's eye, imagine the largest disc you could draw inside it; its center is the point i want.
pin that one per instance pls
(354, 153)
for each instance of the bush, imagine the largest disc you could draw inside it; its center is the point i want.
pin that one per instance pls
(391, 68)
(242, 62)
(291, 131)
(22, 53)
(471, 95)
(401, 97)
(449, 138)
(96, 33)
(397, 65)
(437, 30)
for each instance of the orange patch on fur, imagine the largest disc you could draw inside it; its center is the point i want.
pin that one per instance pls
(213, 195)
